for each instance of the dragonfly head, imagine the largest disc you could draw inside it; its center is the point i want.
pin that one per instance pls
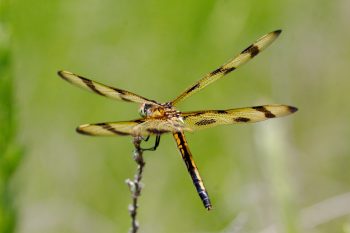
(157, 111)
(146, 110)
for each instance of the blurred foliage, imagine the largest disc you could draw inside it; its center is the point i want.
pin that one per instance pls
(10, 152)
(261, 177)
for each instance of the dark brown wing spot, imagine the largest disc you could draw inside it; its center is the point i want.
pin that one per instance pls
(218, 70)
(292, 109)
(157, 131)
(125, 99)
(192, 115)
(253, 50)
(267, 113)
(222, 70)
(228, 70)
(221, 112)
(111, 129)
(241, 119)
(61, 74)
(79, 130)
(277, 32)
(139, 121)
(90, 84)
(205, 122)
(197, 114)
(122, 92)
(192, 88)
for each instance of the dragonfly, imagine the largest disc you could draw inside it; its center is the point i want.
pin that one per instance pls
(160, 118)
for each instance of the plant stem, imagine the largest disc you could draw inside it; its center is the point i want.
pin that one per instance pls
(135, 186)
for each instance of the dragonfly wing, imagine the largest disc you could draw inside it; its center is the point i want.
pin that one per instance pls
(246, 55)
(139, 127)
(120, 128)
(102, 89)
(210, 118)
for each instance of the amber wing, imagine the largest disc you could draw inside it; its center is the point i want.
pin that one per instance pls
(246, 55)
(138, 127)
(103, 90)
(210, 118)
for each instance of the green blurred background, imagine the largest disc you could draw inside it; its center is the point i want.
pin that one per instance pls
(285, 175)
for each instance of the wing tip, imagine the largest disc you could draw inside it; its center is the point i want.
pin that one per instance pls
(292, 109)
(80, 129)
(63, 74)
(277, 32)
(60, 73)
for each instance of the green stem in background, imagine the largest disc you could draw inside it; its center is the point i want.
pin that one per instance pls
(274, 150)
(135, 185)
(321, 213)
(10, 152)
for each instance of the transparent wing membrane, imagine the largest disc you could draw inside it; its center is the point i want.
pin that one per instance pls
(246, 55)
(210, 118)
(139, 127)
(102, 89)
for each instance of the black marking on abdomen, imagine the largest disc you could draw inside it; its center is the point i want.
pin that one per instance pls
(267, 113)
(191, 167)
(205, 122)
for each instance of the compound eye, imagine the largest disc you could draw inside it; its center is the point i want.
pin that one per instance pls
(145, 110)
(142, 110)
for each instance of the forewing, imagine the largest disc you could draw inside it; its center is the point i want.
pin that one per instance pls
(139, 127)
(102, 89)
(120, 128)
(233, 64)
(206, 119)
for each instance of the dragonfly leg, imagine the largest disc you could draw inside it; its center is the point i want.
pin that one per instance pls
(146, 138)
(156, 144)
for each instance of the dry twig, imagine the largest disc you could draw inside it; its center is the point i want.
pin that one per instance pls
(135, 185)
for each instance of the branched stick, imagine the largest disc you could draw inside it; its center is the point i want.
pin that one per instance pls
(135, 185)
